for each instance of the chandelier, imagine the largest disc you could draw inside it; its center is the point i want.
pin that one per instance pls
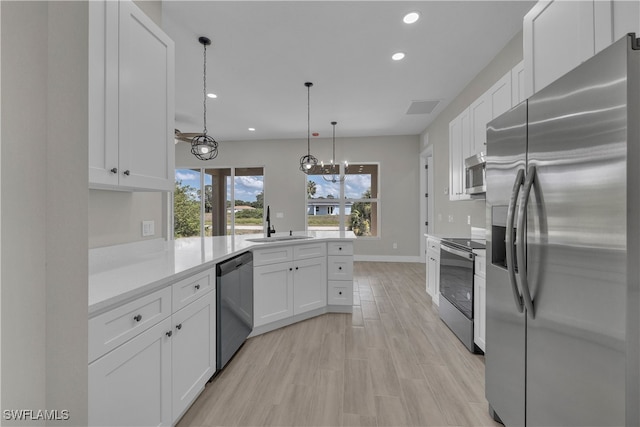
(331, 172)
(308, 162)
(204, 146)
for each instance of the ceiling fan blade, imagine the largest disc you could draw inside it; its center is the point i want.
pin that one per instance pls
(184, 136)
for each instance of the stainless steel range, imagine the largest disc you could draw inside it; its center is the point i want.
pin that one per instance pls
(456, 287)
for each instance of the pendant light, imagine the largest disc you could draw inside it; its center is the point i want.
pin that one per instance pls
(203, 146)
(308, 162)
(330, 171)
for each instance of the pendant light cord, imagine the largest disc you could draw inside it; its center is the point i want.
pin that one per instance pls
(204, 91)
(308, 119)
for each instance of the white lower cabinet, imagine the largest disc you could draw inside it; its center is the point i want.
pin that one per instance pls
(131, 385)
(309, 284)
(285, 289)
(158, 368)
(272, 292)
(480, 301)
(193, 351)
(340, 273)
(433, 270)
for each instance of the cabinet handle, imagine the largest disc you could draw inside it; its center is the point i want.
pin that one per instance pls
(127, 172)
(197, 287)
(114, 170)
(137, 317)
(179, 326)
(169, 333)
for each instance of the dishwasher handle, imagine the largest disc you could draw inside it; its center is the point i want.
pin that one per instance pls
(232, 264)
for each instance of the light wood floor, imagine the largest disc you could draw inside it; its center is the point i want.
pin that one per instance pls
(390, 363)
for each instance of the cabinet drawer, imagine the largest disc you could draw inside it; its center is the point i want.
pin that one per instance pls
(272, 255)
(192, 288)
(340, 248)
(312, 250)
(340, 268)
(340, 293)
(110, 329)
(433, 245)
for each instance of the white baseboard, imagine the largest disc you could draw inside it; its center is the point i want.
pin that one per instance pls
(388, 258)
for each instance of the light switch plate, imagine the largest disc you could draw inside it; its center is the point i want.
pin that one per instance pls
(148, 228)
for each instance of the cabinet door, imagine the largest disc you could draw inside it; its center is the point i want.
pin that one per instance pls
(131, 386)
(273, 293)
(517, 84)
(500, 94)
(557, 37)
(459, 143)
(309, 284)
(193, 351)
(480, 114)
(146, 102)
(103, 93)
(432, 278)
(479, 311)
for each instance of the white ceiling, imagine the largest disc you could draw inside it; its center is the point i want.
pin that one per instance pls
(264, 51)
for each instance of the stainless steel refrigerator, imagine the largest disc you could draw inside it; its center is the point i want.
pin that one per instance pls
(563, 249)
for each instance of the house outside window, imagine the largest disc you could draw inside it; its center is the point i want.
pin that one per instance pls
(218, 202)
(352, 204)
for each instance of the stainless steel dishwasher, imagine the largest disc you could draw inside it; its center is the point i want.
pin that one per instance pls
(234, 310)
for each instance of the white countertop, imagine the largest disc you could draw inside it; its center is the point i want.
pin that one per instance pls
(124, 272)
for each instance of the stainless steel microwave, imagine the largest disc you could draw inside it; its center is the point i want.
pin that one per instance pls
(475, 181)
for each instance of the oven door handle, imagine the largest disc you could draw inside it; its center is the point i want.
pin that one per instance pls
(511, 211)
(463, 254)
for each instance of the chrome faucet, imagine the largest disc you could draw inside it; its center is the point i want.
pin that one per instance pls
(270, 229)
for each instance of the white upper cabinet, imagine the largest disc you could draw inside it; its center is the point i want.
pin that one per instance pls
(480, 112)
(459, 145)
(131, 99)
(517, 84)
(559, 35)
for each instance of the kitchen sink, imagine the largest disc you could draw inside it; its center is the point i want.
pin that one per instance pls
(278, 238)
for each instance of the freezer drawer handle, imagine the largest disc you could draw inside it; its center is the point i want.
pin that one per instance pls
(520, 247)
(509, 240)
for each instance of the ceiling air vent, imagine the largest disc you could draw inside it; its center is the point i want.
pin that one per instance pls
(422, 107)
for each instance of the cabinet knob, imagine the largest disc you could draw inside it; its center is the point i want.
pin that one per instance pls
(296, 268)
(114, 170)
(169, 333)
(137, 317)
(290, 269)
(197, 287)
(340, 293)
(339, 268)
(127, 172)
(340, 248)
(179, 326)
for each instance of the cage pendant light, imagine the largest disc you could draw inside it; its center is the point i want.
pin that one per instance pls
(204, 146)
(331, 172)
(308, 162)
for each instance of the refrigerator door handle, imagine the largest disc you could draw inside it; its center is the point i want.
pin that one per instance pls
(520, 248)
(509, 240)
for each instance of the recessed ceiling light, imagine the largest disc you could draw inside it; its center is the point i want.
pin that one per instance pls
(212, 95)
(252, 129)
(411, 17)
(397, 56)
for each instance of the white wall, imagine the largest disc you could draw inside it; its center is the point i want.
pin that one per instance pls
(285, 185)
(44, 207)
(437, 135)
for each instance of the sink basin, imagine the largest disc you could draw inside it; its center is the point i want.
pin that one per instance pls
(277, 238)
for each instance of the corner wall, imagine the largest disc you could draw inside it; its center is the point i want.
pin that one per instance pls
(437, 134)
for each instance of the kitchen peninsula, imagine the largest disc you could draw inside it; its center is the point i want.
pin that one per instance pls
(153, 311)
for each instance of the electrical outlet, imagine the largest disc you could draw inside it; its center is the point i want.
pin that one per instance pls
(148, 228)
(450, 218)
(468, 219)
(395, 245)
(279, 215)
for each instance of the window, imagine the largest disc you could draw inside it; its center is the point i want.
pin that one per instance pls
(232, 202)
(349, 205)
